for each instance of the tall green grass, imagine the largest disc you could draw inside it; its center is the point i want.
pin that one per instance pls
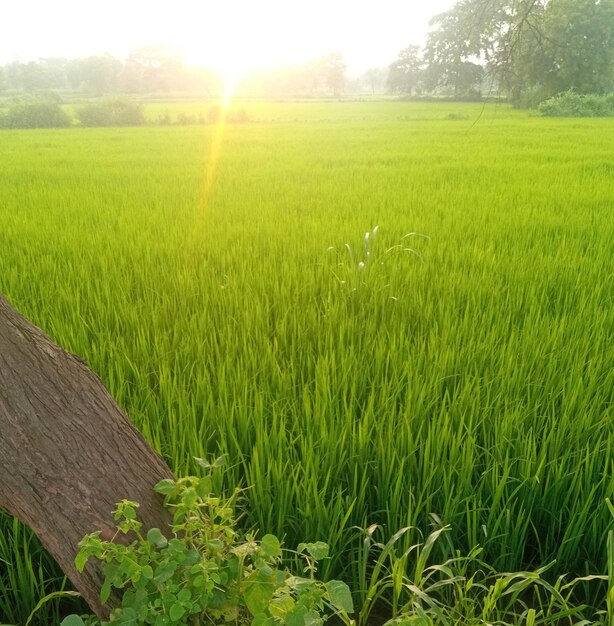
(192, 268)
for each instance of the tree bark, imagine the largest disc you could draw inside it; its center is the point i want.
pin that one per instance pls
(67, 452)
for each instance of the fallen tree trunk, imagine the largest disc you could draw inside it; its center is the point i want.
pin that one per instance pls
(67, 452)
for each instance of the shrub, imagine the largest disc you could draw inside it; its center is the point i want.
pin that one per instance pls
(205, 571)
(41, 114)
(113, 112)
(238, 117)
(185, 119)
(570, 104)
(164, 119)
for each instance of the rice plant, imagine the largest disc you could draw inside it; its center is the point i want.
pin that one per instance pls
(189, 267)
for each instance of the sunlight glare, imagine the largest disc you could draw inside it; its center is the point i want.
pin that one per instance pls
(231, 77)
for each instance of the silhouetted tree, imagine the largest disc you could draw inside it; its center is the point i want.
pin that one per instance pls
(405, 74)
(95, 74)
(334, 69)
(530, 47)
(448, 55)
(374, 79)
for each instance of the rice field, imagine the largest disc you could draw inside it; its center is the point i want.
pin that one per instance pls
(456, 365)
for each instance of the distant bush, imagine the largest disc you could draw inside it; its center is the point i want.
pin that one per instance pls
(456, 116)
(185, 119)
(164, 119)
(41, 114)
(113, 112)
(570, 104)
(240, 116)
(217, 115)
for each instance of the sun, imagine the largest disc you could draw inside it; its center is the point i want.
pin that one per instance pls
(229, 62)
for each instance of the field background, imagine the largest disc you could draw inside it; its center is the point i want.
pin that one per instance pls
(202, 272)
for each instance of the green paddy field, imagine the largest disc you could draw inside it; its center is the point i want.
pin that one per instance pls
(456, 369)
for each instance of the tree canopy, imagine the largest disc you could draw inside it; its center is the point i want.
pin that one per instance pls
(530, 49)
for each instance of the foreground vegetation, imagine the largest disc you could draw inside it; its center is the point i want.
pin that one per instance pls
(209, 573)
(203, 272)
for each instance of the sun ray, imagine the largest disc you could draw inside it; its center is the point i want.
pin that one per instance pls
(230, 83)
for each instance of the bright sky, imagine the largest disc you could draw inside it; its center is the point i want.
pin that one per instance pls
(229, 35)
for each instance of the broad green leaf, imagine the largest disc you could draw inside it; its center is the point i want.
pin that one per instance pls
(164, 571)
(72, 620)
(176, 613)
(184, 595)
(258, 594)
(296, 617)
(271, 546)
(105, 591)
(280, 606)
(165, 486)
(191, 557)
(313, 619)
(263, 620)
(318, 550)
(265, 569)
(129, 512)
(215, 544)
(339, 595)
(300, 585)
(156, 538)
(198, 581)
(81, 561)
(204, 487)
(220, 461)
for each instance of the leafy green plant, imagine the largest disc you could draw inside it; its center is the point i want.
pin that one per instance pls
(204, 571)
(36, 114)
(405, 584)
(571, 104)
(111, 112)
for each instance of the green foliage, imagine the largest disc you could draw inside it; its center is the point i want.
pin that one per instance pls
(205, 571)
(578, 42)
(217, 115)
(571, 104)
(111, 112)
(449, 63)
(37, 114)
(526, 47)
(405, 73)
(27, 574)
(406, 584)
(194, 279)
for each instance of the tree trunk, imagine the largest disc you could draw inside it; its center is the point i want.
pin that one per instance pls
(67, 452)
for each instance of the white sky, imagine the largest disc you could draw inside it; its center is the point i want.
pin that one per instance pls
(230, 35)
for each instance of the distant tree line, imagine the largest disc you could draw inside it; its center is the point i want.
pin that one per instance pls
(526, 49)
(146, 70)
(152, 70)
(323, 76)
